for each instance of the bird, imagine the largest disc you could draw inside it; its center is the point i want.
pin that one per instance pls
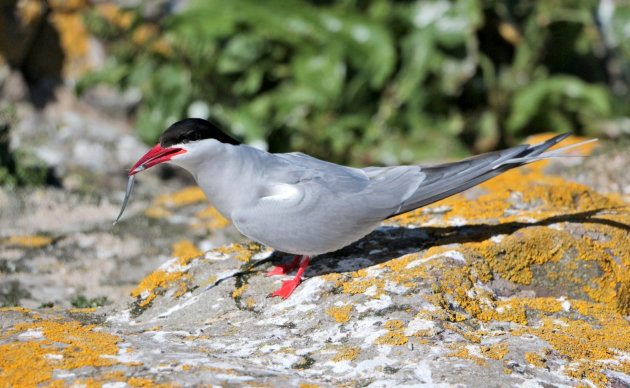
(305, 206)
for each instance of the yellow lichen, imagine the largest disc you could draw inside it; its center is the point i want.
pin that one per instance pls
(589, 347)
(360, 286)
(237, 293)
(535, 359)
(34, 241)
(61, 345)
(184, 251)
(393, 325)
(349, 353)
(241, 251)
(396, 337)
(157, 212)
(210, 218)
(341, 314)
(495, 351)
(462, 351)
(181, 198)
(84, 310)
(15, 308)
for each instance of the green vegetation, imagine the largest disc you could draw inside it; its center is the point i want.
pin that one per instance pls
(18, 168)
(81, 302)
(375, 81)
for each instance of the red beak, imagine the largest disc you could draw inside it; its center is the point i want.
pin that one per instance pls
(155, 156)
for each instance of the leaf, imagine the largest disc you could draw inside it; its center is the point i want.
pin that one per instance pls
(559, 91)
(417, 52)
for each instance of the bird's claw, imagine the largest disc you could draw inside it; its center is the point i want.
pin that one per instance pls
(288, 286)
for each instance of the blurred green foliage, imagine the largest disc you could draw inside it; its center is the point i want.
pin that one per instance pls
(18, 168)
(82, 302)
(375, 81)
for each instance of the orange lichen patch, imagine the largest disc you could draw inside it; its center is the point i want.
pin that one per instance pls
(53, 345)
(84, 310)
(241, 251)
(495, 351)
(237, 293)
(184, 252)
(516, 253)
(143, 382)
(589, 347)
(396, 271)
(360, 286)
(159, 279)
(462, 352)
(309, 385)
(345, 352)
(535, 359)
(549, 305)
(341, 314)
(73, 34)
(15, 308)
(157, 212)
(161, 206)
(457, 285)
(34, 241)
(393, 325)
(210, 218)
(469, 335)
(181, 198)
(396, 337)
(334, 277)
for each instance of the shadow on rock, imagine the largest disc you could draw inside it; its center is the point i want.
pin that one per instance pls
(387, 242)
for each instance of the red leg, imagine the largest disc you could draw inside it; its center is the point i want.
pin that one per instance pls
(286, 268)
(289, 285)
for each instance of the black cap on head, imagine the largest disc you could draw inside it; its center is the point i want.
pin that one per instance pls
(188, 130)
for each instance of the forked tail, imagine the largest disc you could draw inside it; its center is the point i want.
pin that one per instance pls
(446, 179)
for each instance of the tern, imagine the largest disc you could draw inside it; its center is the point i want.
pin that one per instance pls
(304, 206)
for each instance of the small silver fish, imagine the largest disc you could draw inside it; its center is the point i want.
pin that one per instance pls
(127, 195)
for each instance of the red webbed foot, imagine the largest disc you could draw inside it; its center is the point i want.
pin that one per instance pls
(288, 286)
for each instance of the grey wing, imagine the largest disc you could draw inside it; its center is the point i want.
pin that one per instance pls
(305, 206)
(448, 179)
(300, 167)
(310, 206)
(371, 192)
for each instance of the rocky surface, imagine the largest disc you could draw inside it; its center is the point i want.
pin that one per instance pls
(523, 280)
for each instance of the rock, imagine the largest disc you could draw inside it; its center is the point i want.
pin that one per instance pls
(48, 43)
(527, 284)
